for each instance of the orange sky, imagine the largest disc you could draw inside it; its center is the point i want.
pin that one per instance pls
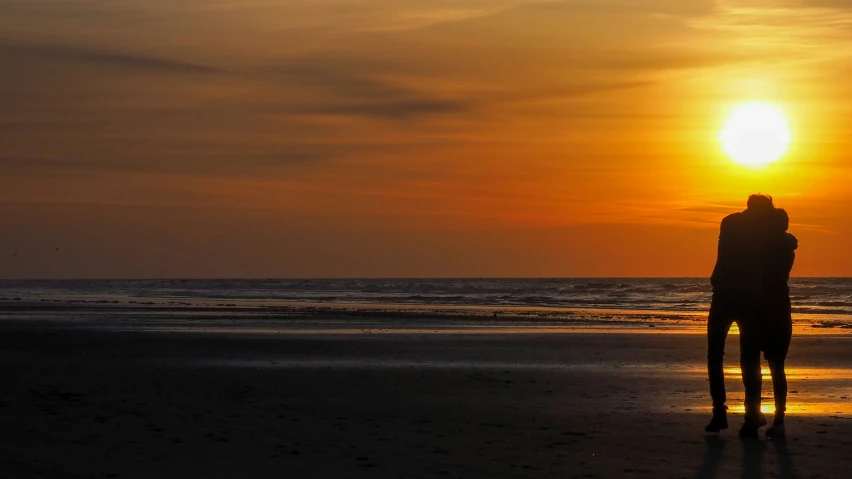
(263, 138)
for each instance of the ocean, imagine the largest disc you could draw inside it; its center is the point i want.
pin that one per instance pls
(822, 302)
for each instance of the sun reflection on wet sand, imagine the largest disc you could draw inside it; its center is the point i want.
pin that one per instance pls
(838, 374)
(811, 391)
(813, 405)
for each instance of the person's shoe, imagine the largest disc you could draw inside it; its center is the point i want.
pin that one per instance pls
(777, 429)
(719, 421)
(750, 427)
(749, 430)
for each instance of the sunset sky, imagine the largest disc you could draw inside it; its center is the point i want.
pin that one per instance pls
(396, 138)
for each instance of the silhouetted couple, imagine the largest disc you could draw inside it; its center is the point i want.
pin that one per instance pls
(750, 288)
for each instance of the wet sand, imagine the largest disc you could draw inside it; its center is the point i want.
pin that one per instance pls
(79, 402)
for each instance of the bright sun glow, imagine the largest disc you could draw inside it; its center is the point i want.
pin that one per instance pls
(755, 134)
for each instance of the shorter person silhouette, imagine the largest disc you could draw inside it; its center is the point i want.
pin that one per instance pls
(777, 313)
(737, 280)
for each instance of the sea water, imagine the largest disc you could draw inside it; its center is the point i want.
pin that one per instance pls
(820, 301)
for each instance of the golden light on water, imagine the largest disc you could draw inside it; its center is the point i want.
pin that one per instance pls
(755, 134)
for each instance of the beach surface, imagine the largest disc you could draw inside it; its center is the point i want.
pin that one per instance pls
(87, 397)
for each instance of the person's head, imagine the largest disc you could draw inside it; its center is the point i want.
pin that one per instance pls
(781, 219)
(760, 203)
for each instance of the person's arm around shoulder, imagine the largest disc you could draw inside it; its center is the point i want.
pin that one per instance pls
(792, 242)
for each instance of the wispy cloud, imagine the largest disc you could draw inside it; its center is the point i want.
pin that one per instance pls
(103, 58)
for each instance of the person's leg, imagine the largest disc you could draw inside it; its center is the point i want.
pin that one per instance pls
(779, 388)
(718, 323)
(777, 354)
(780, 331)
(750, 344)
(752, 376)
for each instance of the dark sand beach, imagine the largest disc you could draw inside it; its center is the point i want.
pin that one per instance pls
(90, 399)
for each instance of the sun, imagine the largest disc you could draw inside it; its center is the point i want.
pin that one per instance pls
(755, 134)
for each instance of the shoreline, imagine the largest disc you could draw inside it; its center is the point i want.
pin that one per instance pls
(181, 315)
